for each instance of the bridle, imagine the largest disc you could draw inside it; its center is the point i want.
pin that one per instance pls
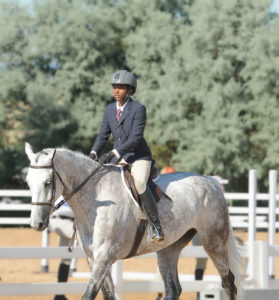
(51, 166)
(74, 191)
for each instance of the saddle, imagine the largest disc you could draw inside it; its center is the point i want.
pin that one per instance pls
(129, 179)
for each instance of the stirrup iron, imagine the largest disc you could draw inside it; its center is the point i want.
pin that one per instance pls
(156, 235)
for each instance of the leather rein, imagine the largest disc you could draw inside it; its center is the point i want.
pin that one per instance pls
(74, 191)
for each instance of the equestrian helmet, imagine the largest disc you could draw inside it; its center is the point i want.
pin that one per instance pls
(124, 77)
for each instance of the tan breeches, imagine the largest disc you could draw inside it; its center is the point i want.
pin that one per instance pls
(140, 170)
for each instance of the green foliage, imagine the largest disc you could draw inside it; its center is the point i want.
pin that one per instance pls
(233, 97)
(162, 154)
(207, 73)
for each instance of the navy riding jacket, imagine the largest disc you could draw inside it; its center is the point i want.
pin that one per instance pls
(127, 132)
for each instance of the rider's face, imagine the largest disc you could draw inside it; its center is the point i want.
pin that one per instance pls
(119, 93)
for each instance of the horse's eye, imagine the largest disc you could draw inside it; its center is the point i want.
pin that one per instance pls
(47, 183)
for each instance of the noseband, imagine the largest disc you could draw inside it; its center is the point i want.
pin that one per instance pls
(74, 191)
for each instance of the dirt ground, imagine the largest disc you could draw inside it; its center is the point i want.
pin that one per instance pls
(27, 270)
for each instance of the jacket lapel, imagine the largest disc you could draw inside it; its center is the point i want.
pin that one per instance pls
(113, 114)
(125, 112)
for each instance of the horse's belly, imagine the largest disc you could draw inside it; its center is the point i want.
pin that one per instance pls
(177, 216)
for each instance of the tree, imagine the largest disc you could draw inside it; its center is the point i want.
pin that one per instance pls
(54, 73)
(220, 124)
(207, 73)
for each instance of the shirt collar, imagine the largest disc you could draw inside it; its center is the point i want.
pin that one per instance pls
(121, 107)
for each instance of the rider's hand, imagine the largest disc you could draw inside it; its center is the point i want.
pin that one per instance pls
(106, 158)
(93, 156)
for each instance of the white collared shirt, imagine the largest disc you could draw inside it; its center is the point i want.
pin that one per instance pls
(121, 107)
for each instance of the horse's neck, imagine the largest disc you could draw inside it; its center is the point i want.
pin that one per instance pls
(72, 169)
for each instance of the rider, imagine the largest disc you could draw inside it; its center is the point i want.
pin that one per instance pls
(126, 120)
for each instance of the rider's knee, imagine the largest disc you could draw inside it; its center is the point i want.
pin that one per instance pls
(140, 186)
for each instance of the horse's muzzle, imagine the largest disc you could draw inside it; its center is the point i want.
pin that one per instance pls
(40, 225)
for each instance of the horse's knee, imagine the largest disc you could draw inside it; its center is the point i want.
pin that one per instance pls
(228, 284)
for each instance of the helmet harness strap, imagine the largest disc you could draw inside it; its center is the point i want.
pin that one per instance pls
(128, 94)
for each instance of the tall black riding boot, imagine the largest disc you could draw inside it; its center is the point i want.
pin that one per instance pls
(63, 273)
(150, 209)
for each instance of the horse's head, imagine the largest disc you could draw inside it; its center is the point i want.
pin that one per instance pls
(44, 186)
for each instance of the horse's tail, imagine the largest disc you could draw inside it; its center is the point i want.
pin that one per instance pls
(235, 263)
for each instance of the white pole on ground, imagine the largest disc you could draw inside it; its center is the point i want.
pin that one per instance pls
(272, 216)
(252, 220)
(45, 243)
(117, 277)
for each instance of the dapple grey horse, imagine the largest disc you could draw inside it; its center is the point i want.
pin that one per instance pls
(107, 218)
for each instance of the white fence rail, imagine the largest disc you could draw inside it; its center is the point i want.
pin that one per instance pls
(120, 278)
(123, 283)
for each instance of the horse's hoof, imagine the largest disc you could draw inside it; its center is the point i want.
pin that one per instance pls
(60, 297)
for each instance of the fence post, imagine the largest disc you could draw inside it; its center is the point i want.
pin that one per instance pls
(117, 277)
(252, 219)
(45, 243)
(271, 217)
(260, 264)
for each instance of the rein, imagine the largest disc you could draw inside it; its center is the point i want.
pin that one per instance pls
(74, 191)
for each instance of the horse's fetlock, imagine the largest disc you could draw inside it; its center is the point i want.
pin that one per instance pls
(228, 284)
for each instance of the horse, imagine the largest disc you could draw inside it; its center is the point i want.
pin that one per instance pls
(107, 219)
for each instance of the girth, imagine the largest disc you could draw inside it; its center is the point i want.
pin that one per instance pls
(138, 237)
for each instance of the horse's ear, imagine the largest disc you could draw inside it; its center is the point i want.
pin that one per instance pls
(29, 151)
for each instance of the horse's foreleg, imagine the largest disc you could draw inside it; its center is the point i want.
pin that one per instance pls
(100, 278)
(108, 288)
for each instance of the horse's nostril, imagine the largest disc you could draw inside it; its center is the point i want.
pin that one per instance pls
(41, 225)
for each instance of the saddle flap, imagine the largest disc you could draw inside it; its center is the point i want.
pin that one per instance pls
(129, 179)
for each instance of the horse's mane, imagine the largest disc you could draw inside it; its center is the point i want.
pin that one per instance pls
(85, 160)
(74, 153)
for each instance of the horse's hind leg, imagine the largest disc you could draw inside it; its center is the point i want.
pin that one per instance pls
(229, 286)
(167, 260)
(216, 245)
